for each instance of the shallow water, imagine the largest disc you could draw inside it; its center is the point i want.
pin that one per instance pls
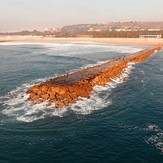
(121, 122)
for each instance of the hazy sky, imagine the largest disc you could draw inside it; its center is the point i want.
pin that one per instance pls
(38, 14)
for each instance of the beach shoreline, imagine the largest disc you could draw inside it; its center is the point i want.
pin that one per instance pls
(127, 41)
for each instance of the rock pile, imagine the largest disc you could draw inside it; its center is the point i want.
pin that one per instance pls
(64, 90)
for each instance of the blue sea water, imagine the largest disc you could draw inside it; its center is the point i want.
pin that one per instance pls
(122, 122)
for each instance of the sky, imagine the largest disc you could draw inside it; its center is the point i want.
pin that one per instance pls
(39, 14)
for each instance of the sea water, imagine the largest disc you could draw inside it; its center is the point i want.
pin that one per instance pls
(120, 122)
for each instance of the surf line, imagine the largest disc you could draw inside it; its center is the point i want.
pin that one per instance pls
(64, 90)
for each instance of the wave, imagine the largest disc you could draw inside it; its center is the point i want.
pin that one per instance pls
(157, 136)
(82, 49)
(17, 43)
(66, 49)
(18, 107)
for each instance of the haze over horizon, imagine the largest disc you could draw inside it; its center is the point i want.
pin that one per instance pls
(38, 14)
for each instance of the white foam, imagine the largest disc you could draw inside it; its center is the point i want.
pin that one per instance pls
(73, 49)
(19, 108)
(19, 43)
(157, 136)
(98, 100)
(100, 97)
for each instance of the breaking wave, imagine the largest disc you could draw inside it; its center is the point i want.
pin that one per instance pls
(157, 136)
(19, 108)
(66, 49)
(17, 43)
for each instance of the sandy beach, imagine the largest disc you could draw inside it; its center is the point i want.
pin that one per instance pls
(130, 41)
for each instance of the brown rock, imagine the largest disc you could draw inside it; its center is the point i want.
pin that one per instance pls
(44, 88)
(52, 96)
(39, 92)
(59, 104)
(48, 104)
(58, 97)
(35, 89)
(82, 93)
(33, 97)
(55, 89)
(66, 102)
(73, 95)
(44, 96)
(62, 91)
(72, 101)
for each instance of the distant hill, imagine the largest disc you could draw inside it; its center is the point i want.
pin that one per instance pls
(126, 26)
(109, 30)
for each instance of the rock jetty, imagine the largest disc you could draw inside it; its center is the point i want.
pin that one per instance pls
(66, 89)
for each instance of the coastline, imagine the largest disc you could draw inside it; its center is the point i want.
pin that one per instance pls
(127, 41)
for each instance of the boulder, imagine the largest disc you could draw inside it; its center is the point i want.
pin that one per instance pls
(44, 88)
(58, 97)
(73, 95)
(33, 97)
(62, 91)
(44, 96)
(59, 104)
(52, 96)
(55, 89)
(48, 104)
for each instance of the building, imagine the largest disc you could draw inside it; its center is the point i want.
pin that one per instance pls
(150, 36)
(52, 30)
(49, 29)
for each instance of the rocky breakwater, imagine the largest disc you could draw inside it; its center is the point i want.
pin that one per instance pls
(66, 89)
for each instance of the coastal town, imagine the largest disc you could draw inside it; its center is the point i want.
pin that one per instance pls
(130, 29)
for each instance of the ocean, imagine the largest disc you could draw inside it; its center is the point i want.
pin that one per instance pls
(121, 122)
